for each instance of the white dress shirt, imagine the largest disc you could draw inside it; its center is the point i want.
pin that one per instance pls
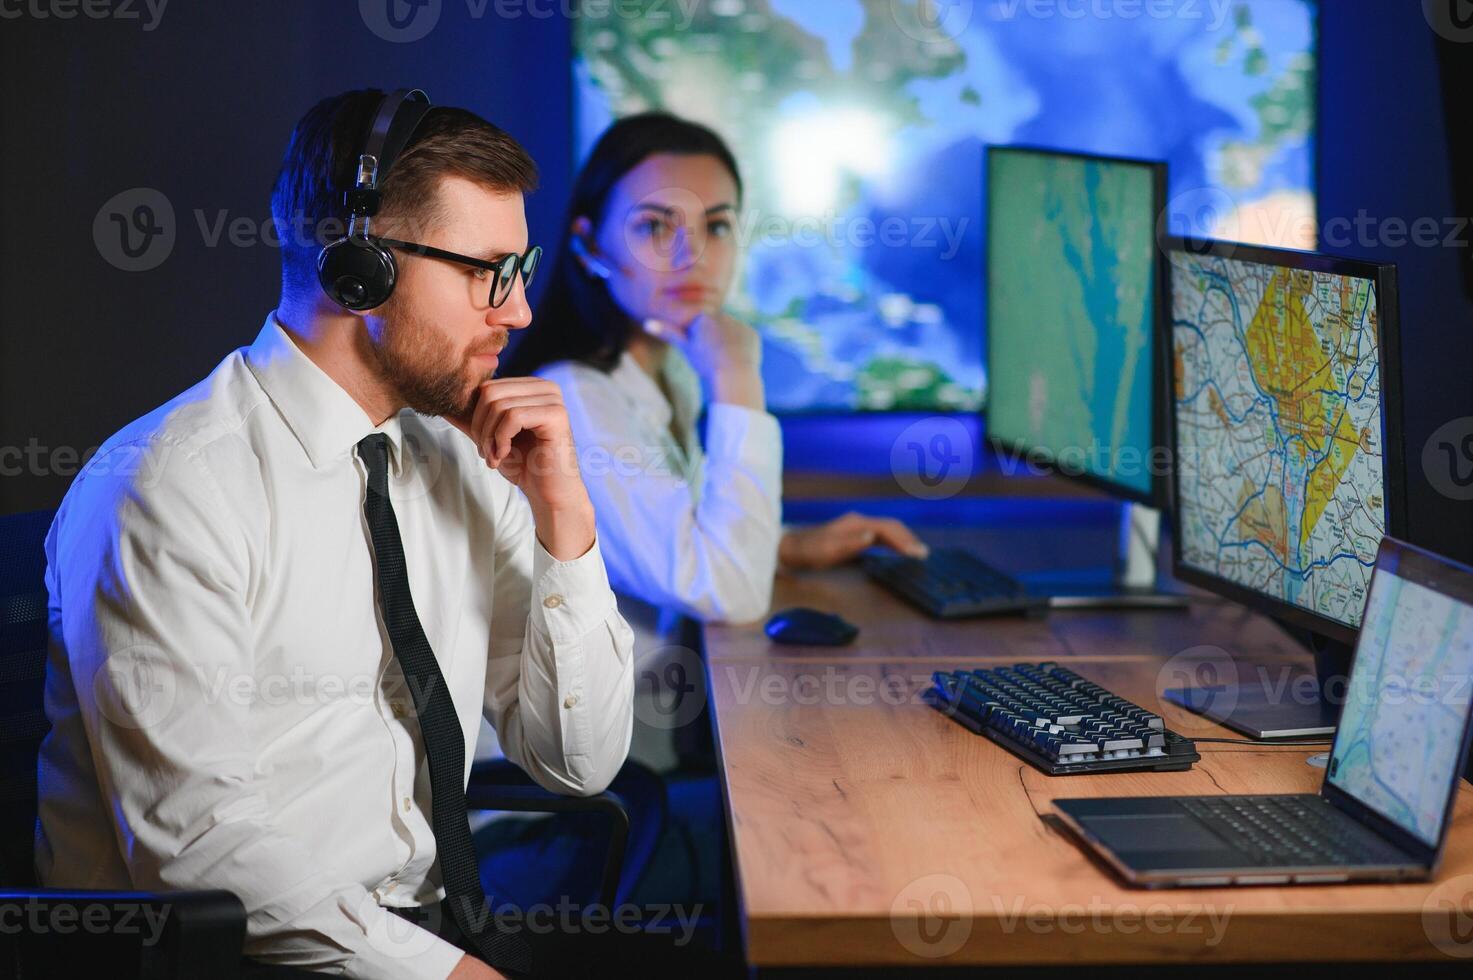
(687, 529)
(227, 708)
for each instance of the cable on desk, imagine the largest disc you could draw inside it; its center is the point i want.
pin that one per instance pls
(1267, 745)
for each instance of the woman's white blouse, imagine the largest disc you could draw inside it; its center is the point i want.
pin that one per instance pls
(687, 528)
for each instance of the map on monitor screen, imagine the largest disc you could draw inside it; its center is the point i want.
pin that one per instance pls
(1277, 390)
(1072, 310)
(860, 127)
(1401, 730)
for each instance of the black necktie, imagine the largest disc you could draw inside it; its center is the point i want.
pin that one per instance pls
(444, 740)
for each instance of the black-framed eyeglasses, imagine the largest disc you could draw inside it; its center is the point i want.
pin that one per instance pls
(504, 269)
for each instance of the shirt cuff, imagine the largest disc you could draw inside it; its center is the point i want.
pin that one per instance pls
(397, 947)
(570, 598)
(743, 435)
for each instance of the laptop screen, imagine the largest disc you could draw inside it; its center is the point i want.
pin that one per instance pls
(1399, 743)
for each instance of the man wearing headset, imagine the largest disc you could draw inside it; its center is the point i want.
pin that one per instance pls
(281, 602)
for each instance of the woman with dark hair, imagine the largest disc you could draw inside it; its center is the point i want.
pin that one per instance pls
(632, 330)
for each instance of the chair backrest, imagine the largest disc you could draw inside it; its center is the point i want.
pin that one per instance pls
(23, 721)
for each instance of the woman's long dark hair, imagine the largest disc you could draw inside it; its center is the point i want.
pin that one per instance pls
(577, 319)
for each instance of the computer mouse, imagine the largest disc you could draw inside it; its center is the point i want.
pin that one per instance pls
(810, 627)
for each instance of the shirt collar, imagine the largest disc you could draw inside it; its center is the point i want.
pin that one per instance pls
(685, 389)
(644, 391)
(325, 419)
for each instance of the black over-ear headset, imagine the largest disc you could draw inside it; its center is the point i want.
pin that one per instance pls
(356, 271)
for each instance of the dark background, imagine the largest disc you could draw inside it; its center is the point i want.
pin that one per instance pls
(200, 108)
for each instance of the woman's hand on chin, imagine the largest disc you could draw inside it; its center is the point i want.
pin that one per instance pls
(725, 352)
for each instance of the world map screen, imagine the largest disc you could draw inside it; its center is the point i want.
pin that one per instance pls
(860, 128)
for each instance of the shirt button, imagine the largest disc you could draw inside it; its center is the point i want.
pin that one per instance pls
(553, 601)
(570, 700)
(407, 804)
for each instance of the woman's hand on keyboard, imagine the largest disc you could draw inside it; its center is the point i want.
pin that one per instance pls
(842, 539)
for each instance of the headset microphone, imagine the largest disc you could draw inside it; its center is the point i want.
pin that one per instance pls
(594, 266)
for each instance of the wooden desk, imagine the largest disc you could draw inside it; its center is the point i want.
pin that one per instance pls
(869, 830)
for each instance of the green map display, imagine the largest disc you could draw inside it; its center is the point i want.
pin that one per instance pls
(1071, 263)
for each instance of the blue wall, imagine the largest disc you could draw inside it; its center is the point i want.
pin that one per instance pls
(1383, 148)
(199, 108)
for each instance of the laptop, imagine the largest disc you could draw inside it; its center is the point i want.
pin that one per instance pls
(1384, 807)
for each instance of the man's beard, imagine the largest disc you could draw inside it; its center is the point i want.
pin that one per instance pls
(417, 361)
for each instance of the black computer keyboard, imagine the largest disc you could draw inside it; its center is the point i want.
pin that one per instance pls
(951, 583)
(1058, 721)
(1295, 829)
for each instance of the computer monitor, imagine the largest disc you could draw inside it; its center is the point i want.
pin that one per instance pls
(1286, 433)
(1403, 735)
(1074, 294)
(1286, 427)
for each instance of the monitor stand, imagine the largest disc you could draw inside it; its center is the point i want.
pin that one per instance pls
(1132, 583)
(1271, 702)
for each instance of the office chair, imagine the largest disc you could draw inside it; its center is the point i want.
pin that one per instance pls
(70, 933)
(65, 933)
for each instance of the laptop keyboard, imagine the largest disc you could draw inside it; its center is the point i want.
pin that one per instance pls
(1289, 830)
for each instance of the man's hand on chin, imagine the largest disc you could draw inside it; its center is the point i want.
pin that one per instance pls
(520, 428)
(470, 968)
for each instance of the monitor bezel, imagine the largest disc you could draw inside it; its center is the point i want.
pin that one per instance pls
(1388, 351)
(1425, 568)
(1158, 494)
